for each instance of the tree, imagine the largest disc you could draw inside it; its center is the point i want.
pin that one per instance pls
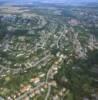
(77, 72)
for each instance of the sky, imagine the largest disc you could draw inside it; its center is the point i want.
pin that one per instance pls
(50, 1)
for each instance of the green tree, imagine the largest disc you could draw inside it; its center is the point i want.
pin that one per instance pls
(78, 74)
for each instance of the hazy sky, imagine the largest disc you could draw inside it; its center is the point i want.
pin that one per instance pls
(51, 1)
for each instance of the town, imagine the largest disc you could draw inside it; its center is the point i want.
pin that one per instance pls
(36, 42)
